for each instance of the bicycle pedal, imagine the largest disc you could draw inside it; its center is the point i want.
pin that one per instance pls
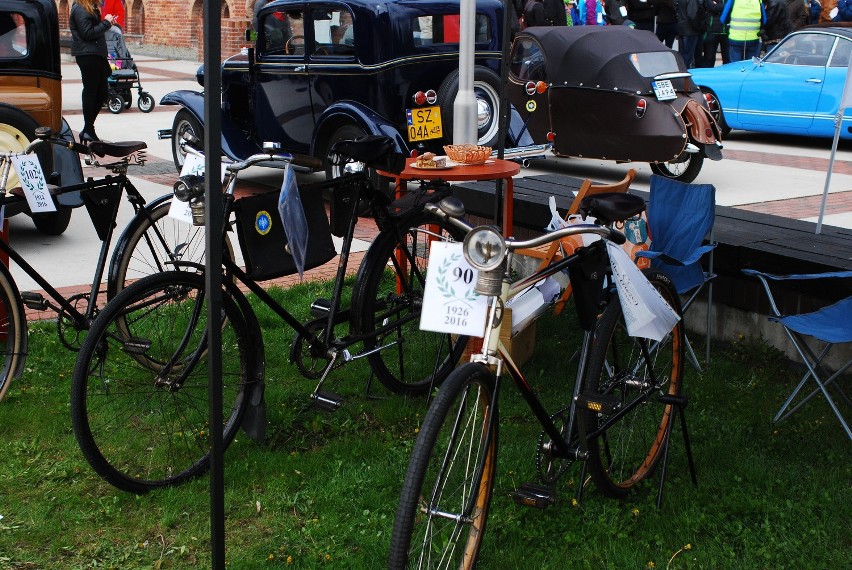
(534, 495)
(599, 403)
(321, 307)
(33, 300)
(326, 401)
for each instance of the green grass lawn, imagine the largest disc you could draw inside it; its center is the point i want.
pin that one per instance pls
(321, 491)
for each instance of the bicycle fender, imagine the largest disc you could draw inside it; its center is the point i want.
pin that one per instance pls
(254, 420)
(19, 369)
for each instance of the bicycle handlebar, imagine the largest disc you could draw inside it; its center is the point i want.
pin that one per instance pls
(512, 244)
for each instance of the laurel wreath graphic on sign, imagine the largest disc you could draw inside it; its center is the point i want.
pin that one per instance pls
(446, 289)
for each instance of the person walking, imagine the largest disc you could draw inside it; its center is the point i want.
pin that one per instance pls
(691, 25)
(116, 8)
(744, 19)
(716, 38)
(666, 22)
(642, 13)
(89, 47)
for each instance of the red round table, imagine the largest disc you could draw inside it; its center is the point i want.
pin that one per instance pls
(494, 169)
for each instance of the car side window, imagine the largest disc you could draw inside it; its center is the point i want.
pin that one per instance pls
(283, 33)
(13, 35)
(841, 55)
(444, 29)
(334, 32)
(528, 62)
(802, 49)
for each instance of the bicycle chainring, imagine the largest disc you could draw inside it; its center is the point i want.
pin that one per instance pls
(309, 361)
(71, 333)
(549, 467)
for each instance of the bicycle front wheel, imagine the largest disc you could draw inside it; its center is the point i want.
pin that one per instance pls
(12, 331)
(444, 502)
(625, 451)
(155, 242)
(387, 299)
(139, 393)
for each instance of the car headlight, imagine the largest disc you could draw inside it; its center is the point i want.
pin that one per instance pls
(484, 248)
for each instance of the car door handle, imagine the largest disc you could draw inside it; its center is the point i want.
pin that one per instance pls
(299, 68)
(813, 80)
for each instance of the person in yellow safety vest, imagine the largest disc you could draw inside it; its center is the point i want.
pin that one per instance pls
(745, 18)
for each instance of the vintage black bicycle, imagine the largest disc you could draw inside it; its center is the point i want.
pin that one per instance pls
(139, 396)
(616, 420)
(151, 242)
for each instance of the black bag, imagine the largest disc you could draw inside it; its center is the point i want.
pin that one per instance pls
(262, 238)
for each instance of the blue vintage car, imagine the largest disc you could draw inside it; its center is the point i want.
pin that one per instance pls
(795, 89)
(322, 71)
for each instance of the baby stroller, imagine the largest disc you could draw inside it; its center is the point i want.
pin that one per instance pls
(124, 76)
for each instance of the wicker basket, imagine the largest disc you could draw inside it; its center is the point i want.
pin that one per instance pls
(467, 153)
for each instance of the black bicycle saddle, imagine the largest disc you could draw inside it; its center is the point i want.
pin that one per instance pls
(116, 149)
(376, 151)
(610, 207)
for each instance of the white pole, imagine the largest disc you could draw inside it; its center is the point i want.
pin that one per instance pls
(464, 107)
(845, 102)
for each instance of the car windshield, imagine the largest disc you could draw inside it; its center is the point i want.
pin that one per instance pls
(651, 64)
(13, 35)
(802, 49)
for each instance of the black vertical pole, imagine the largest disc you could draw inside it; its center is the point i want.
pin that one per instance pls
(503, 119)
(213, 270)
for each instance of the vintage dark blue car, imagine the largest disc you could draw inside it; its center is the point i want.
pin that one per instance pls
(322, 71)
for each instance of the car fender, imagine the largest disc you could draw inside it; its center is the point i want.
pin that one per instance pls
(235, 144)
(351, 112)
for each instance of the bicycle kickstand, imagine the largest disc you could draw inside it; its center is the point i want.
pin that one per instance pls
(678, 404)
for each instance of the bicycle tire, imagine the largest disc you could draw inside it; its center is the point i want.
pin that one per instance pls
(12, 332)
(154, 242)
(628, 451)
(418, 359)
(139, 425)
(461, 424)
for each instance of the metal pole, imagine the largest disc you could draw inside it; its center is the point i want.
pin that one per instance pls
(464, 106)
(838, 123)
(213, 269)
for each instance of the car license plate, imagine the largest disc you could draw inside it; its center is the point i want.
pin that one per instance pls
(663, 90)
(424, 123)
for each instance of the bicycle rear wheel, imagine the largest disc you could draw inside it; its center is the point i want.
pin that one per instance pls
(12, 332)
(626, 452)
(139, 393)
(154, 242)
(388, 294)
(447, 490)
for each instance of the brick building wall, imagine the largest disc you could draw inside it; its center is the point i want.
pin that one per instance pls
(174, 28)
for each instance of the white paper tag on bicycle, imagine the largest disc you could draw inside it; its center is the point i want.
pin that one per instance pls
(192, 164)
(450, 304)
(33, 183)
(646, 313)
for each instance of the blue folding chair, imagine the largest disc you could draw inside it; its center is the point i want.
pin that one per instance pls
(680, 217)
(831, 325)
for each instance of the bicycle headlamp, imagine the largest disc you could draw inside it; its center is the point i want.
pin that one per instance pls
(484, 248)
(189, 187)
